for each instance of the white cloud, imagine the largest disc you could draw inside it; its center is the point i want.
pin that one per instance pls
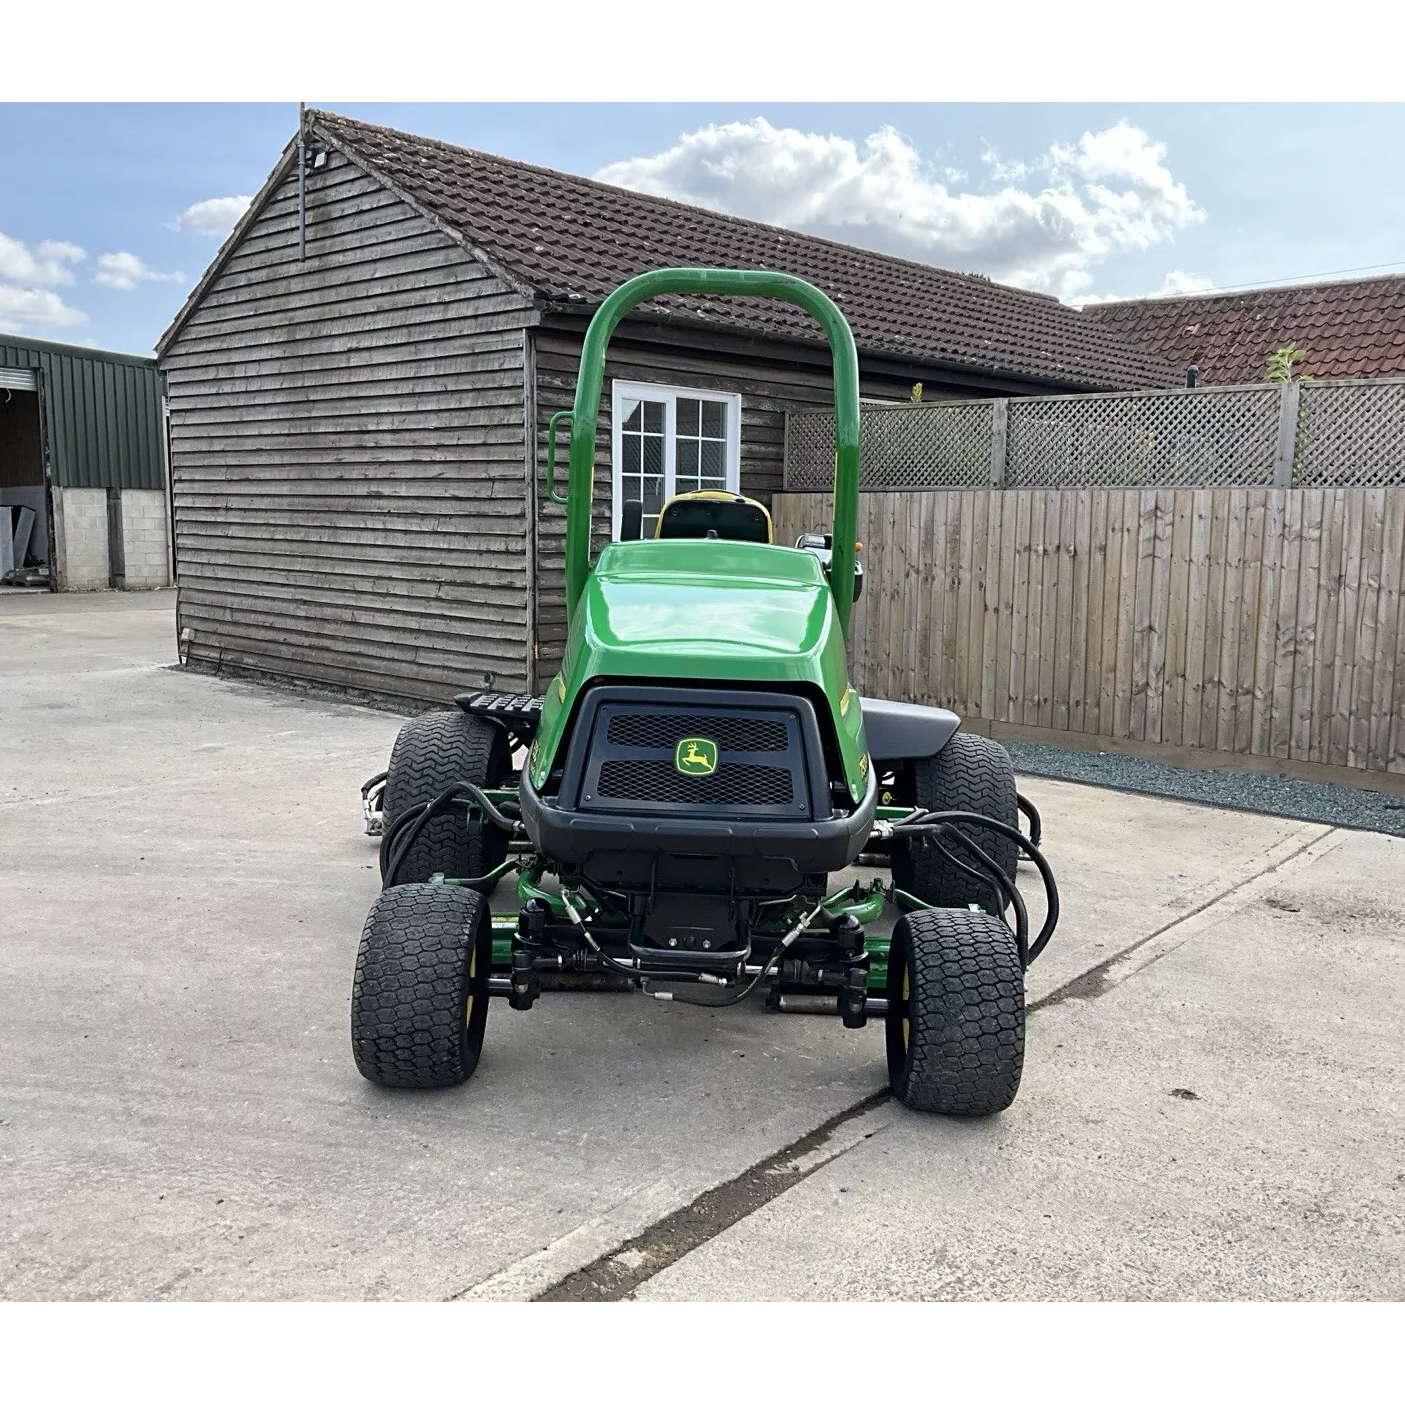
(47, 263)
(27, 310)
(1004, 170)
(125, 271)
(1176, 284)
(217, 215)
(1045, 223)
(1179, 283)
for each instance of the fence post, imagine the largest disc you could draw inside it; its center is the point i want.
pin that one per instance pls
(999, 434)
(1287, 435)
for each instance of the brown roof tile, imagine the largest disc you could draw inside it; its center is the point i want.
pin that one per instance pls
(1350, 328)
(572, 240)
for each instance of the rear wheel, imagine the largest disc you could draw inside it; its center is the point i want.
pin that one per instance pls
(430, 754)
(955, 1024)
(968, 773)
(419, 1000)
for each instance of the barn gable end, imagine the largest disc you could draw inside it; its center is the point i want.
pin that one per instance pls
(348, 450)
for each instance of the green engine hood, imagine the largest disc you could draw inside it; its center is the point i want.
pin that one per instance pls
(720, 611)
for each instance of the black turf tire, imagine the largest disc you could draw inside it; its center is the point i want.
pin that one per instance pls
(963, 1048)
(426, 952)
(430, 754)
(968, 773)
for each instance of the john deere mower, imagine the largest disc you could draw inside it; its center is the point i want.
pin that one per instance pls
(694, 775)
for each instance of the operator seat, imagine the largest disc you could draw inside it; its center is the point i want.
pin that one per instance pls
(710, 513)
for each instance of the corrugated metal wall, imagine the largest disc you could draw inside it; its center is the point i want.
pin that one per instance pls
(102, 414)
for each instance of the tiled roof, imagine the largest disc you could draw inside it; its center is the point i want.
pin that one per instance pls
(1353, 328)
(572, 240)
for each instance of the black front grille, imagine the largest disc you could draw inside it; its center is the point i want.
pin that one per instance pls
(766, 758)
(662, 731)
(660, 783)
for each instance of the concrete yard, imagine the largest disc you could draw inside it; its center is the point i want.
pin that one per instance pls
(1211, 1105)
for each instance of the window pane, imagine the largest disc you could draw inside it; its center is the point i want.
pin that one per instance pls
(650, 523)
(647, 490)
(688, 416)
(714, 419)
(629, 451)
(687, 462)
(630, 410)
(653, 416)
(653, 455)
(714, 464)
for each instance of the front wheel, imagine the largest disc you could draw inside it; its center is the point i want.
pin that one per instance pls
(955, 1023)
(419, 1000)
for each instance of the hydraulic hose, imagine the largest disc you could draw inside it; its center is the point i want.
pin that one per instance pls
(663, 974)
(936, 822)
(739, 996)
(1031, 813)
(400, 836)
(1006, 889)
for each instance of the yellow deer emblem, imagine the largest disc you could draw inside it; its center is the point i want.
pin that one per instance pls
(695, 756)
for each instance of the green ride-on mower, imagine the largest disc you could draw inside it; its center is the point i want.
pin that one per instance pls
(696, 772)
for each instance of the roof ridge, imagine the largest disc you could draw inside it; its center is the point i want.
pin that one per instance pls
(982, 279)
(1152, 300)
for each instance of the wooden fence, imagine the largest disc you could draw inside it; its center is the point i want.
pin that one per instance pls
(1255, 628)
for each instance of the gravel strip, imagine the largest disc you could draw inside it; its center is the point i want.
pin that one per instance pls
(1227, 790)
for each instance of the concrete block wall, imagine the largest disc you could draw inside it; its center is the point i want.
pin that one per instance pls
(85, 526)
(80, 539)
(145, 539)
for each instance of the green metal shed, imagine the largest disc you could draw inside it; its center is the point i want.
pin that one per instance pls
(82, 447)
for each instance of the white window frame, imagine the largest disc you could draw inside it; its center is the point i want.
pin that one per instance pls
(647, 390)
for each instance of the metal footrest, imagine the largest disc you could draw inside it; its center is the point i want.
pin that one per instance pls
(507, 707)
(519, 713)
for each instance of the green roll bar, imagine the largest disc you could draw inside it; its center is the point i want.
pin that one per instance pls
(751, 283)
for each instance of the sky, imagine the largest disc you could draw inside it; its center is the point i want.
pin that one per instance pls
(110, 212)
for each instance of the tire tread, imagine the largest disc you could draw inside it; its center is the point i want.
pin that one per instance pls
(430, 753)
(966, 1014)
(409, 993)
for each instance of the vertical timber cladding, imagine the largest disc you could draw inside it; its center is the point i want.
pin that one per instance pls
(347, 452)
(771, 380)
(1260, 623)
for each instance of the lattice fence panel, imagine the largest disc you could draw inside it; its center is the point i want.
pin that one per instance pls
(921, 446)
(1180, 439)
(1351, 434)
(1344, 434)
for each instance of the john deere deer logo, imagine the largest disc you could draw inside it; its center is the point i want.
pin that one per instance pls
(695, 756)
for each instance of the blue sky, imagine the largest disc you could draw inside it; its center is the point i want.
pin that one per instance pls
(1083, 200)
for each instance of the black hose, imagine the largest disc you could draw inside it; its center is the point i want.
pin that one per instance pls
(1004, 887)
(666, 973)
(400, 836)
(984, 874)
(1036, 825)
(933, 822)
(739, 996)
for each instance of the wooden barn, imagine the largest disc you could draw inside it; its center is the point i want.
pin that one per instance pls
(360, 383)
